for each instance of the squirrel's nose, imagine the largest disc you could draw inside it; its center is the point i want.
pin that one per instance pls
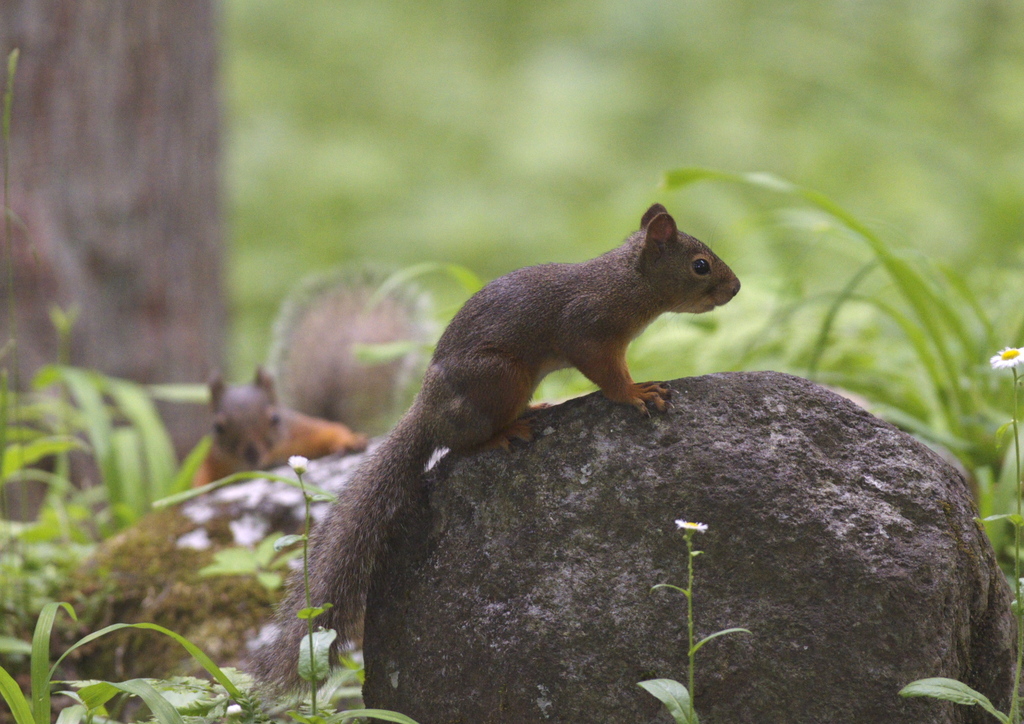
(251, 455)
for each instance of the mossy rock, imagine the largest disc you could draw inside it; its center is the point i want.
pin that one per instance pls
(150, 573)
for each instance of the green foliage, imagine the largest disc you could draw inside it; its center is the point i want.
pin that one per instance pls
(265, 562)
(499, 136)
(938, 319)
(314, 655)
(125, 433)
(96, 695)
(674, 696)
(954, 691)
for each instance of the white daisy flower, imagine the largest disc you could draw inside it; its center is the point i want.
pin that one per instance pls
(687, 525)
(298, 463)
(1007, 358)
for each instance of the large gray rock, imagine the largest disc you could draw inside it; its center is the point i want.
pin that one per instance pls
(522, 593)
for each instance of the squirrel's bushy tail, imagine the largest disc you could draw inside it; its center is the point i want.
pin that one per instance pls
(346, 549)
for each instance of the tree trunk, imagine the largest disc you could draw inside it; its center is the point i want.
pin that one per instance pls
(114, 182)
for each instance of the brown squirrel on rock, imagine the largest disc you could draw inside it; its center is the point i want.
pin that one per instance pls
(321, 383)
(478, 384)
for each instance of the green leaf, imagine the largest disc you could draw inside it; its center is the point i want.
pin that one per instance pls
(699, 644)
(72, 714)
(11, 645)
(669, 586)
(954, 691)
(15, 698)
(40, 672)
(270, 580)
(1017, 520)
(1001, 432)
(21, 455)
(190, 465)
(307, 613)
(98, 694)
(319, 666)
(238, 561)
(287, 540)
(674, 696)
(381, 714)
(161, 708)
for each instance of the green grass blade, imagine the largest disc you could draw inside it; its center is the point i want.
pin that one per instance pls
(182, 392)
(126, 450)
(40, 671)
(381, 714)
(159, 706)
(85, 390)
(234, 478)
(134, 402)
(4, 428)
(190, 465)
(15, 698)
(844, 296)
(469, 281)
(205, 661)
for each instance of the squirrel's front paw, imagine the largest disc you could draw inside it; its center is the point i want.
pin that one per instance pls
(656, 393)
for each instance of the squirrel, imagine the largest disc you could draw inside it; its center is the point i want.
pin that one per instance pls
(485, 368)
(252, 432)
(323, 384)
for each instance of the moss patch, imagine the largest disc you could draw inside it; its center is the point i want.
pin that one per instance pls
(144, 575)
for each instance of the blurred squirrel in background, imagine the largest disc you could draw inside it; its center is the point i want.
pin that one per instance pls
(323, 390)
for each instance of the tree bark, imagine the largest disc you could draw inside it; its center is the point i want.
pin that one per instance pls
(114, 182)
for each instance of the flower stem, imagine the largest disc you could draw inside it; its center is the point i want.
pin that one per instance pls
(689, 620)
(1015, 698)
(309, 600)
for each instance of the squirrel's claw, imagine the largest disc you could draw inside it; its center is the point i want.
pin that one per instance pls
(518, 429)
(655, 393)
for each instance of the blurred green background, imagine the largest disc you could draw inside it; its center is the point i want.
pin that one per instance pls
(499, 134)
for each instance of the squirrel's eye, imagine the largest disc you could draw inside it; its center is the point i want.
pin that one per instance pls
(275, 419)
(218, 428)
(701, 266)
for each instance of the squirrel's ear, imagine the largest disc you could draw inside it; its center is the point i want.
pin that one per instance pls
(265, 382)
(659, 231)
(216, 390)
(651, 213)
